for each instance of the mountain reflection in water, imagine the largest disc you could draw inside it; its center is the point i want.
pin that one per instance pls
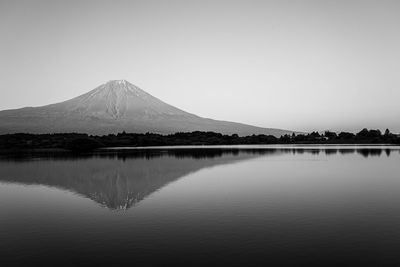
(120, 179)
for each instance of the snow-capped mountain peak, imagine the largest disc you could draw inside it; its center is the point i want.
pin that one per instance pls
(117, 106)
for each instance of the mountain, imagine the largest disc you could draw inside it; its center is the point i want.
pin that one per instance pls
(113, 107)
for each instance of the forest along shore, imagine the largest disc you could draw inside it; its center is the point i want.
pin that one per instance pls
(85, 142)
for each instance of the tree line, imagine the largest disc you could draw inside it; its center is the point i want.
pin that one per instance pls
(84, 142)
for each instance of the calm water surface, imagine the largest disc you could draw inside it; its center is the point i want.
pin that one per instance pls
(231, 206)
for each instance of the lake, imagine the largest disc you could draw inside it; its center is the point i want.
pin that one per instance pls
(209, 206)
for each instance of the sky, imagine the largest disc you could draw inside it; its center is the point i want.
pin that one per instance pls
(297, 65)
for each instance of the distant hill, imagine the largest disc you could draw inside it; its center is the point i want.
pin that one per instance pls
(113, 107)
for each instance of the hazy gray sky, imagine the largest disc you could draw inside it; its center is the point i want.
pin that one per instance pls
(300, 65)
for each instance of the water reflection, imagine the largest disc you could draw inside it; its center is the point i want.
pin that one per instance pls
(121, 179)
(115, 180)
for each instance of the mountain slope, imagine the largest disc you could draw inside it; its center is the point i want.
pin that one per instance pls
(114, 107)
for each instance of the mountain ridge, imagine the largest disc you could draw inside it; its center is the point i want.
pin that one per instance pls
(113, 107)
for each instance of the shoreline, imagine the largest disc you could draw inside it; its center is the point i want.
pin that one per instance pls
(169, 147)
